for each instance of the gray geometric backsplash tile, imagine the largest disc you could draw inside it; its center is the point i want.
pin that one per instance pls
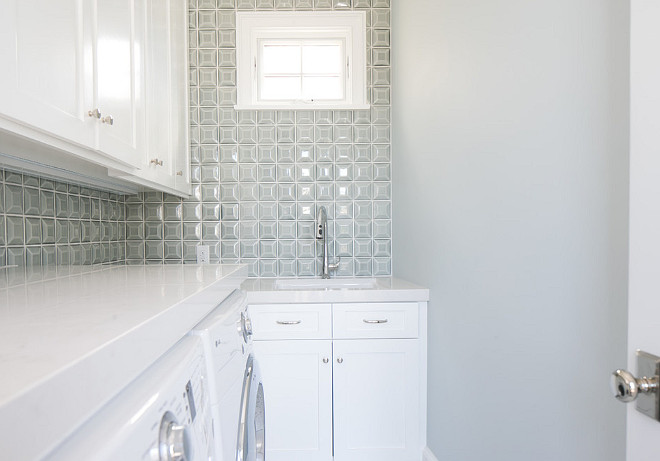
(258, 176)
(45, 222)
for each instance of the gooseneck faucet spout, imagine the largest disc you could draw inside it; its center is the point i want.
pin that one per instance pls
(322, 234)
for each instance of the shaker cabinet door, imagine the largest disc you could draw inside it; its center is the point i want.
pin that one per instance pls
(120, 78)
(179, 124)
(165, 159)
(47, 67)
(297, 378)
(376, 400)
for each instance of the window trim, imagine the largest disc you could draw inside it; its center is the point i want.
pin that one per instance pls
(253, 28)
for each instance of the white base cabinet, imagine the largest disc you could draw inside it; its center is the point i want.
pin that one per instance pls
(376, 399)
(299, 408)
(343, 382)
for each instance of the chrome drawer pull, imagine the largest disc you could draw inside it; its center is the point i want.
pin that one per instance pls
(289, 322)
(375, 321)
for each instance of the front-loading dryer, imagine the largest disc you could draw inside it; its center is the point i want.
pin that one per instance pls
(163, 415)
(236, 391)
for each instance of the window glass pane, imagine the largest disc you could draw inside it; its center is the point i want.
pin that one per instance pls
(281, 59)
(322, 59)
(278, 88)
(322, 88)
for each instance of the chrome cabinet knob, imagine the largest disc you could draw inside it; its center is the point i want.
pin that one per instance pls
(155, 161)
(340, 360)
(108, 119)
(94, 113)
(326, 360)
(179, 173)
(627, 388)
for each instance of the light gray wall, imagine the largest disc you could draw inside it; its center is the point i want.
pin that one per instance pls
(510, 176)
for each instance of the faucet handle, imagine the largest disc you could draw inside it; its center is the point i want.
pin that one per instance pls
(335, 266)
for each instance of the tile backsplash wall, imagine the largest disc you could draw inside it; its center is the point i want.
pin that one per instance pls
(45, 222)
(258, 176)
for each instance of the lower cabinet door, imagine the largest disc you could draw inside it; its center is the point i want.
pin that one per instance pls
(376, 400)
(297, 378)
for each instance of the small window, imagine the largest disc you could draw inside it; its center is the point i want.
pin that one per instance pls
(294, 60)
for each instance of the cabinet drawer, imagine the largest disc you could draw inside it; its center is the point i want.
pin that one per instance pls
(291, 321)
(375, 320)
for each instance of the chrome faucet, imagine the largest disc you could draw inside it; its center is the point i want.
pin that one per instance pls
(322, 234)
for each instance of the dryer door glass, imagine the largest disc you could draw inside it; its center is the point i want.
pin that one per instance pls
(260, 425)
(251, 444)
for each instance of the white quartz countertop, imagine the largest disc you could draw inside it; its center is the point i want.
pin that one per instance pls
(72, 337)
(382, 289)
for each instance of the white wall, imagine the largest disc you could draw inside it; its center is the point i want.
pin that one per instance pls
(510, 203)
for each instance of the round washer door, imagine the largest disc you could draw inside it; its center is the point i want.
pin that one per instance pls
(251, 443)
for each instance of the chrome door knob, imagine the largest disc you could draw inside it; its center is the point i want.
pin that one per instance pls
(94, 113)
(108, 119)
(627, 388)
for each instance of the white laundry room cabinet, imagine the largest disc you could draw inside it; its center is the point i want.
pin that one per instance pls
(344, 382)
(78, 86)
(165, 162)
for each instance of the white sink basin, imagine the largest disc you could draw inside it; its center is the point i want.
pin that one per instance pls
(311, 284)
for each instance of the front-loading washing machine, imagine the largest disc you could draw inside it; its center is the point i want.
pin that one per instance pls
(164, 415)
(236, 390)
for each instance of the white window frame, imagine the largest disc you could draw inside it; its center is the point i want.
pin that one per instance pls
(255, 28)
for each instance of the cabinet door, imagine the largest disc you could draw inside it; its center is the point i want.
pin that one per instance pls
(179, 91)
(298, 398)
(376, 400)
(120, 79)
(165, 162)
(157, 163)
(46, 72)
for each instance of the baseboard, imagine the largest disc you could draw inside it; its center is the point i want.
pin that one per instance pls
(427, 455)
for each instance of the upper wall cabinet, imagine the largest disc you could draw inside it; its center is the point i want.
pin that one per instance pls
(79, 77)
(120, 77)
(166, 159)
(75, 70)
(47, 76)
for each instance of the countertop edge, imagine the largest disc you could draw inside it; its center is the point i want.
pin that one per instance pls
(336, 296)
(388, 289)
